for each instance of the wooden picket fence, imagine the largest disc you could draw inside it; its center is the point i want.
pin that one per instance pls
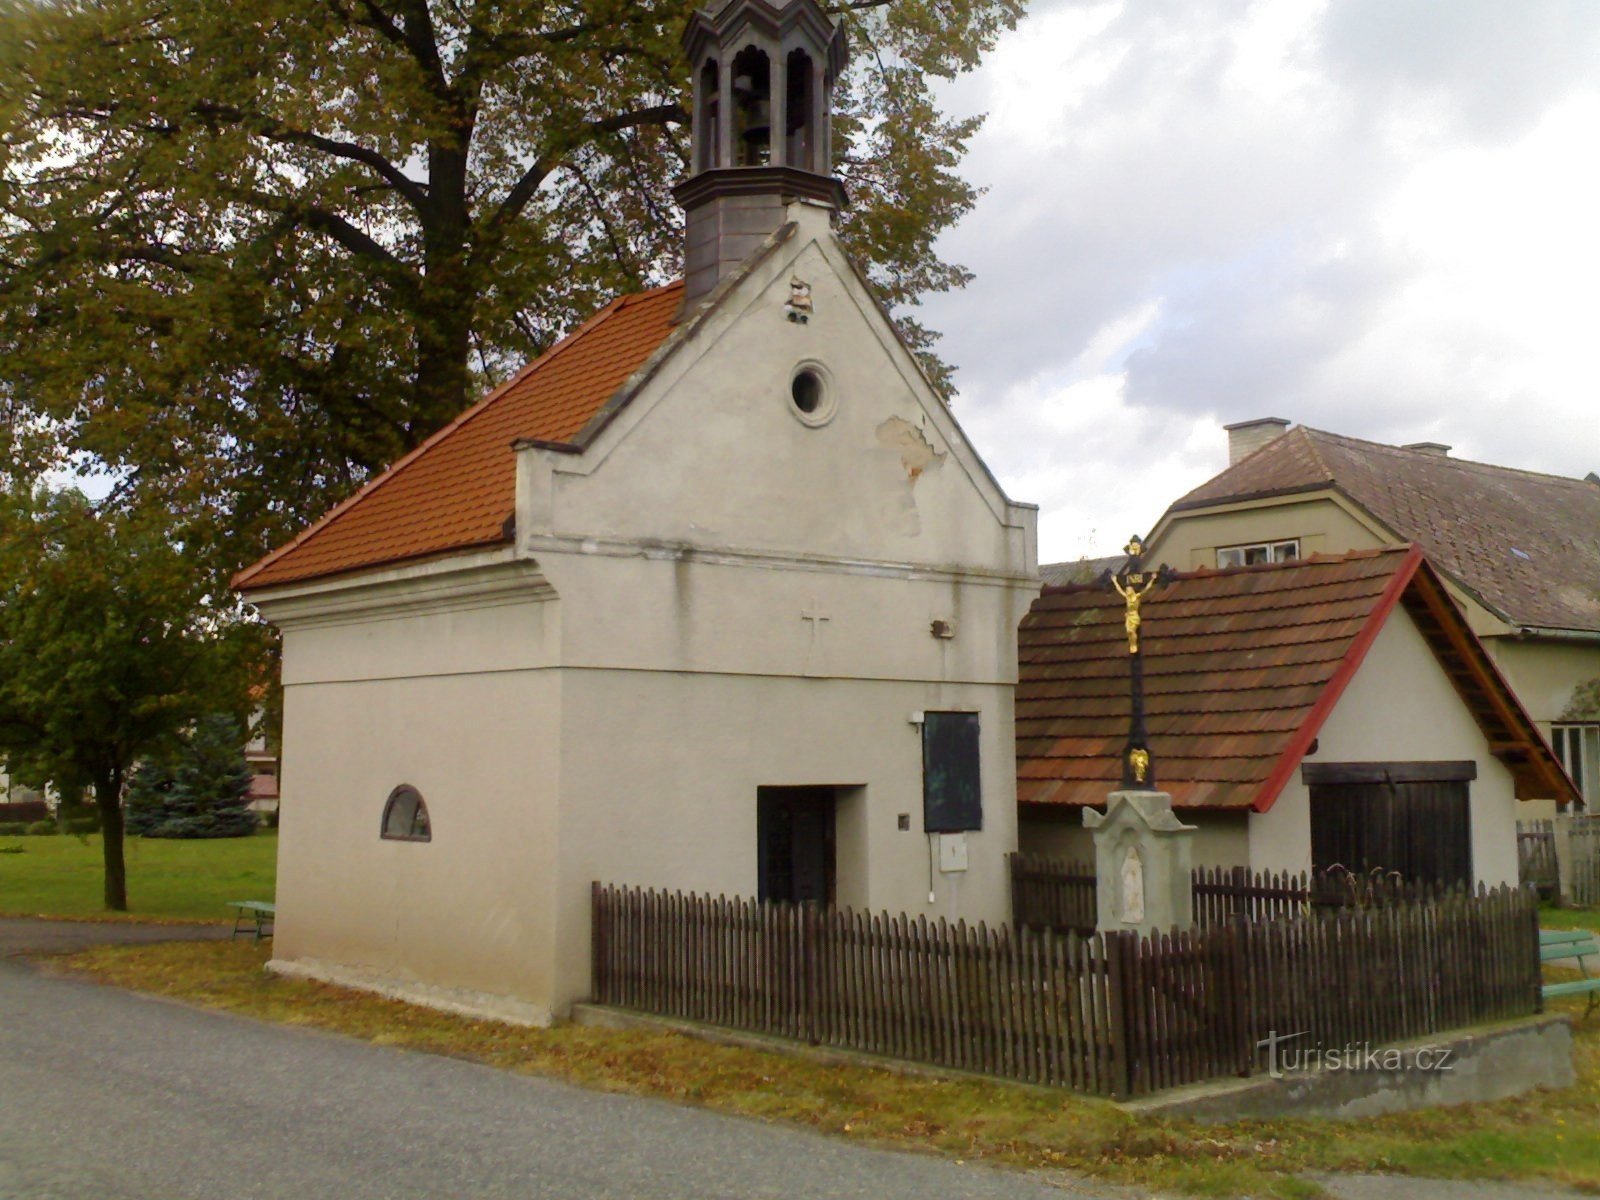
(1583, 844)
(1053, 893)
(1114, 1014)
(1059, 894)
(1536, 855)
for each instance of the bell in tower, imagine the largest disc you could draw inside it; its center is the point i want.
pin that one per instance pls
(764, 77)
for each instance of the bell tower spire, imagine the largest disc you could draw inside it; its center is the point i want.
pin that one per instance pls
(764, 72)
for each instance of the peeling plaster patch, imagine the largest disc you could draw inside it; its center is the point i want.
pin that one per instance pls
(916, 451)
(910, 445)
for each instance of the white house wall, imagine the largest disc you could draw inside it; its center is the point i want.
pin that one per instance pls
(660, 775)
(1400, 707)
(461, 705)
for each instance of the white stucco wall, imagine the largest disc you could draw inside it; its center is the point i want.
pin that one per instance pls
(1400, 707)
(460, 703)
(661, 771)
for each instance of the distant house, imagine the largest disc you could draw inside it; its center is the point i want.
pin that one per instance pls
(1333, 711)
(1084, 570)
(1519, 550)
(262, 758)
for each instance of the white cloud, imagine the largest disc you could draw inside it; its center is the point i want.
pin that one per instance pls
(1372, 216)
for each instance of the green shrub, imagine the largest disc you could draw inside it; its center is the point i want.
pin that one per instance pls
(83, 825)
(40, 828)
(13, 828)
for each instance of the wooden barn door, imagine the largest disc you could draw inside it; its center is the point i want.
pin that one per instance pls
(1416, 827)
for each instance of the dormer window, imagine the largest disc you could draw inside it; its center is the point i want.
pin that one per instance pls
(1258, 552)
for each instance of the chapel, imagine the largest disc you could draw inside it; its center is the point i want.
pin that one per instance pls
(715, 595)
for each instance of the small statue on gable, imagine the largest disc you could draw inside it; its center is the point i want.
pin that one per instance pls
(799, 306)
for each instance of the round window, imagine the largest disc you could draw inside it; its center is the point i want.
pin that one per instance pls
(810, 396)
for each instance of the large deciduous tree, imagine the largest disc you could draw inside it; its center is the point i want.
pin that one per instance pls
(251, 252)
(107, 649)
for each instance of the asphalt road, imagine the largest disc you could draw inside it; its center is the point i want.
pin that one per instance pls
(116, 1096)
(111, 1095)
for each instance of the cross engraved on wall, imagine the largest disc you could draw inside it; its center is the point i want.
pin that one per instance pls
(816, 616)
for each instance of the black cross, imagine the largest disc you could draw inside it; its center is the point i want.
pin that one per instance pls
(1133, 583)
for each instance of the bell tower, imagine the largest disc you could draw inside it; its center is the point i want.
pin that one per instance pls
(764, 72)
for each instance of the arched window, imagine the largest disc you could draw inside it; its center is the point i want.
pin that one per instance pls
(799, 149)
(405, 816)
(710, 133)
(752, 109)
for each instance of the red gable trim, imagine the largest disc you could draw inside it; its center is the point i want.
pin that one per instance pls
(1300, 744)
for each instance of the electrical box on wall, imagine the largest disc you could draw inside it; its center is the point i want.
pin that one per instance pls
(952, 852)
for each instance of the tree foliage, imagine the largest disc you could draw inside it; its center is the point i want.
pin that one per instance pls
(198, 788)
(107, 649)
(249, 254)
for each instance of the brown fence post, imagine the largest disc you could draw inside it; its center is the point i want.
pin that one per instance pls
(1119, 989)
(597, 942)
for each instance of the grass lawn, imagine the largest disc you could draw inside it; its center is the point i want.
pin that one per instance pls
(167, 879)
(1551, 1136)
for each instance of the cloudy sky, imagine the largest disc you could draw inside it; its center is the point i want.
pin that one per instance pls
(1377, 217)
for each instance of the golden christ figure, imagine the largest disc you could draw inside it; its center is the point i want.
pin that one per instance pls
(1134, 593)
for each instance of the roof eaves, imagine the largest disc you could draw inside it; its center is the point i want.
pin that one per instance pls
(1540, 763)
(388, 564)
(1244, 497)
(1300, 743)
(241, 579)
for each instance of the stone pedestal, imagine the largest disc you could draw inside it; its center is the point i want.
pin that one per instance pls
(1143, 861)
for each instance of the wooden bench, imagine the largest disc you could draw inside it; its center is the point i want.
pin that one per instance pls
(1556, 945)
(257, 917)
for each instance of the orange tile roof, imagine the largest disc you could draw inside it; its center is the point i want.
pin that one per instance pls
(1526, 545)
(457, 490)
(1242, 667)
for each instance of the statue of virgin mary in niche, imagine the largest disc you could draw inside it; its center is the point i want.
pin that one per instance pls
(1132, 886)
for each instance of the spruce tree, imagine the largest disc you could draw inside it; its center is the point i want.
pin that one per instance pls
(210, 790)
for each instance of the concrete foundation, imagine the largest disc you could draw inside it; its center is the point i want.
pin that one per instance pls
(1489, 1062)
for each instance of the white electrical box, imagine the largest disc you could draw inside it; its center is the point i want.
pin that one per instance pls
(952, 852)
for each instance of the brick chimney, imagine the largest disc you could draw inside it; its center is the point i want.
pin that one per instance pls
(1246, 437)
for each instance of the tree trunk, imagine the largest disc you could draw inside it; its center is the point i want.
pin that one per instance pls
(449, 289)
(108, 799)
(444, 344)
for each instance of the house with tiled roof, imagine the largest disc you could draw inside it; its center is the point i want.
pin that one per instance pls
(1518, 550)
(715, 595)
(1331, 711)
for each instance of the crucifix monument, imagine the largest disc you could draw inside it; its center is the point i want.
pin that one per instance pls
(1143, 852)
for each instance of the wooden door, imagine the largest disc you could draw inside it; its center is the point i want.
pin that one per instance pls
(795, 836)
(1418, 829)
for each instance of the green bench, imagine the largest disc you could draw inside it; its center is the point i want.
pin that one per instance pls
(257, 917)
(1556, 945)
